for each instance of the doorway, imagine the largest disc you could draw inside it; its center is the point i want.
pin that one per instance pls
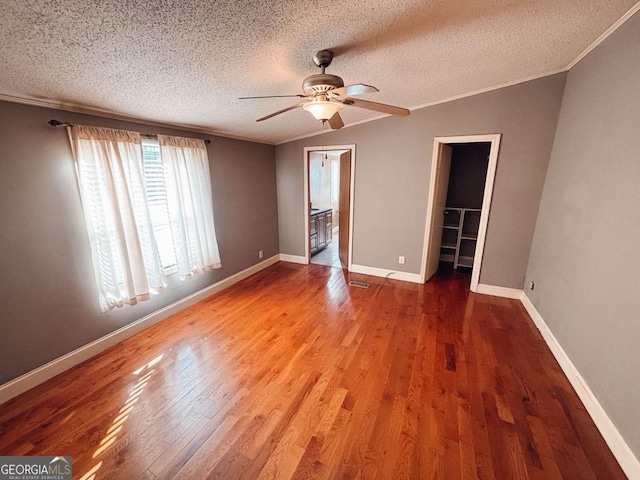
(458, 214)
(328, 197)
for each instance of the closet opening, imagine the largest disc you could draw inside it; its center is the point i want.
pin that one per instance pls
(462, 176)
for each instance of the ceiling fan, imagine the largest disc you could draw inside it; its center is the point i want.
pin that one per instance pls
(328, 95)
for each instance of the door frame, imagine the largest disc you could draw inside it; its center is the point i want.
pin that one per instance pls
(306, 158)
(494, 140)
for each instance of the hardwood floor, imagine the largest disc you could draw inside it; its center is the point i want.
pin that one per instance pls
(294, 374)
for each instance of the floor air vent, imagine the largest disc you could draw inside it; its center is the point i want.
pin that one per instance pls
(359, 284)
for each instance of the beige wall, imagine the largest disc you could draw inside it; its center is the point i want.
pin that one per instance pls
(393, 161)
(48, 297)
(585, 258)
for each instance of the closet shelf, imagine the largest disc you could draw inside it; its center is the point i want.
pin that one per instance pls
(468, 223)
(465, 262)
(447, 257)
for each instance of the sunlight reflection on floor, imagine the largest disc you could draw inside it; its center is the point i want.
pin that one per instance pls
(118, 422)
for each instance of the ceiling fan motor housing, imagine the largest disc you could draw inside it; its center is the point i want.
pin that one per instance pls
(323, 58)
(324, 104)
(321, 83)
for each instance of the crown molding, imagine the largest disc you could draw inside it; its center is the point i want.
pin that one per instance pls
(76, 108)
(437, 102)
(605, 35)
(583, 54)
(489, 89)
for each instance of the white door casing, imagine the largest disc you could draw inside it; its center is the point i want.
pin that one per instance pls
(494, 139)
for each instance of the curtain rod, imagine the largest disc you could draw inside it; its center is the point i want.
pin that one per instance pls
(58, 123)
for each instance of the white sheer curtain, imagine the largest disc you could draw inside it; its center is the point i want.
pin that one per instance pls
(125, 256)
(188, 184)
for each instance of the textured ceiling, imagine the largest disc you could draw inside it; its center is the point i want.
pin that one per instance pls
(188, 61)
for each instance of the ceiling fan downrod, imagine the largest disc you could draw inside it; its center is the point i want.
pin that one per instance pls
(323, 59)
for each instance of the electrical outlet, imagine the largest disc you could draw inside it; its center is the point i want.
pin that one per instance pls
(531, 285)
(401, 260)
(260, 254)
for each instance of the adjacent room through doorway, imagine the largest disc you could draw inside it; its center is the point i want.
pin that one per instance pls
(324, 196)
(329, 193)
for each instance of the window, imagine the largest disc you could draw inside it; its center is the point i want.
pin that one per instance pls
(148, 209)
(157, 201)
(335, 181)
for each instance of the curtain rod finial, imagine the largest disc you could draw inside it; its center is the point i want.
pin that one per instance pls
(58, 123)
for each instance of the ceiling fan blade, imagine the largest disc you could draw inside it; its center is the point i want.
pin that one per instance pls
(357, 89)
(292, 107)
(378, 107)
(336, 122)
(273, 96)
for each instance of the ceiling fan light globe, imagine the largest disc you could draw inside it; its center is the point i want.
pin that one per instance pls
(323, 109)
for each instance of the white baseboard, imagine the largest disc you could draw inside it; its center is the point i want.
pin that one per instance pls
(381, 272)
(293, 258)
(499, 291)
(49, 370)
(627, 460)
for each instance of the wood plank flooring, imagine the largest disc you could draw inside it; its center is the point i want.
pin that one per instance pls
(294, 374)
